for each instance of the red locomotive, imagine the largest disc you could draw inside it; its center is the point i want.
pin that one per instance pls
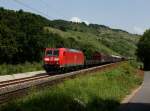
(59, 58)
(65, 58)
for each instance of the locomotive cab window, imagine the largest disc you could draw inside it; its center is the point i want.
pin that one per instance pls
(56, 53)
(52, 52)
(49, 53)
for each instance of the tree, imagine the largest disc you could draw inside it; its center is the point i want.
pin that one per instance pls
(143, 51)
(22, 36)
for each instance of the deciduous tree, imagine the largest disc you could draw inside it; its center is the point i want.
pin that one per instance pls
(143, 51)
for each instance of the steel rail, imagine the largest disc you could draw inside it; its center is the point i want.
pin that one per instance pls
(16, 81)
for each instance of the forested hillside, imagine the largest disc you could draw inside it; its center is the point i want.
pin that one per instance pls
(23, 36)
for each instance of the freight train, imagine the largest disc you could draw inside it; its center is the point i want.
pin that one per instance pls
(65, 58)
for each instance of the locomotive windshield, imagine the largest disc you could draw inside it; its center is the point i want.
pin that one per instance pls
(49, 53)
(56, 53)
(52, 52)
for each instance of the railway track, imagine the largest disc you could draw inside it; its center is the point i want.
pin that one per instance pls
(13, 89)
(16, 81)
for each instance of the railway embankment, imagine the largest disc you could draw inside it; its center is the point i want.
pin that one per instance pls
(102, 90)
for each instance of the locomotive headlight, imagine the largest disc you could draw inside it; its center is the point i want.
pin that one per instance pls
(46, 59)
(56, 59)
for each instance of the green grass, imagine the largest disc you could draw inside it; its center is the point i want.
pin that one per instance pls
(82, 39)
(20, 68)
(106, 40)
(100, 91)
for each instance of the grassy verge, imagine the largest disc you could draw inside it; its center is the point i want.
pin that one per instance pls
(101, 91)
(26, 67)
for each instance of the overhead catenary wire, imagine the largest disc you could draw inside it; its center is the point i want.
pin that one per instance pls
(48, 5)
(33, 9)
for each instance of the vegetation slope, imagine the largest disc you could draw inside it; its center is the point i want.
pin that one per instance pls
(23, 36)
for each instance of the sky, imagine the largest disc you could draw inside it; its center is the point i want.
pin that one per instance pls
(130, 15)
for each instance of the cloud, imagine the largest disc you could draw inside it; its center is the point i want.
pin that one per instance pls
(78, 20)
(138, 30)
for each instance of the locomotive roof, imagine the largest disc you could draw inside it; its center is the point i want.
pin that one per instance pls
(67, 49)
(73, 50)
(116, 56)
